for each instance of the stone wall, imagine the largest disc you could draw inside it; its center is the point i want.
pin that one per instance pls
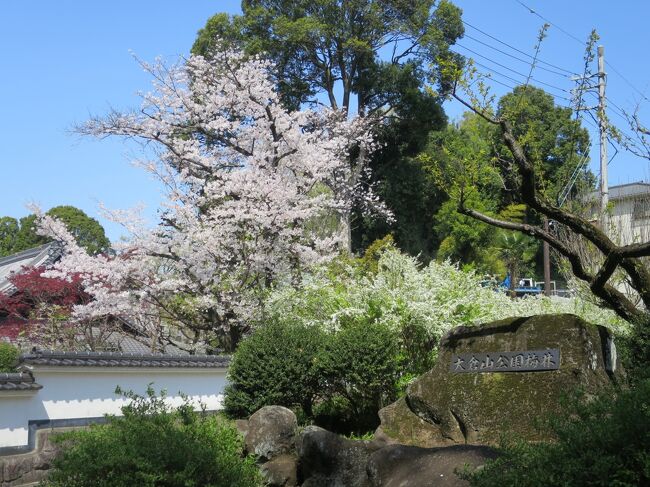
(28, 469)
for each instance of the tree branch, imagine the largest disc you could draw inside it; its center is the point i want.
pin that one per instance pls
(598, 284)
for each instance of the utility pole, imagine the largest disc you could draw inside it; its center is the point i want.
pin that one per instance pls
(602, 125)
(547, 261)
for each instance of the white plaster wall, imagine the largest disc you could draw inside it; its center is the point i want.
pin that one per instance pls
(89, 392)
(623, 228)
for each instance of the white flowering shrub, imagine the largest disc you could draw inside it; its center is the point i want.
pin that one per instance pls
(403, 294)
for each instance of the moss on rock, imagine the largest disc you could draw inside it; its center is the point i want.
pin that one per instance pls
(442, 407)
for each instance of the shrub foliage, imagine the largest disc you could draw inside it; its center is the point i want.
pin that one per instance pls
(338, 379)
(358, 369)
(350, 338)
(274, 366)
(154, 445)
(8, 357)
(603, 442)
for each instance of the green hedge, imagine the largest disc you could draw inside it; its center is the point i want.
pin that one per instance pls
(274, 366)
(339, 379)
(358, 369)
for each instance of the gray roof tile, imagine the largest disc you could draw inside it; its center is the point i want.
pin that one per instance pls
(44, 255)
(113, 359)
(19, 381)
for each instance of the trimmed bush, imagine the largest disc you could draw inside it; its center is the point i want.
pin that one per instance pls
(274, 366)
(358, 370)
(8, 357)
(154, 445)
(338, 380)
(604, 442)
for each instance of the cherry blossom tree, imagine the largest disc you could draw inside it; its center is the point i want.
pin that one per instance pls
(247, 183)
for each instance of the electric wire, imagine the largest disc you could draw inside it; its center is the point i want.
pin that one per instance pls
(549, 22)
(627, 81)
(467, 36)
(516, 81)
(516, 49)
(613, 107)
(620, 75)
(510, 69)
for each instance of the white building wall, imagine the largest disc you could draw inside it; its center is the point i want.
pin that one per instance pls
(89, 392)
(624, 228)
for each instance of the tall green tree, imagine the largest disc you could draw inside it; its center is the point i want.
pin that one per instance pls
(8, 231)
(402, 181)
(371, 56)
(476, 168)
(517, 250)
(459, 160)
(551, 137)
(16, 236)
(319, 46)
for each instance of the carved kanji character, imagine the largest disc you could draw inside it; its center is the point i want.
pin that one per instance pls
(488, 363)
(517, 361)
(473, 363)
(547, 360)
(532, 360)
(458, 364)
(502, 362)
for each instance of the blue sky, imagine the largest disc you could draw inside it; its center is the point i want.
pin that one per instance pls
(65, 60)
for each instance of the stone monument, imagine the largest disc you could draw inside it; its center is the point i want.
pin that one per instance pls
(499, 378)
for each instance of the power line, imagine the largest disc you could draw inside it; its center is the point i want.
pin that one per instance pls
(516, 81)
(512, 70)
(492, 70)
(613, 107)
(624, 134)
(516, 49)
(511, 55)
(627, 81)
(502, 84)
(551, 23)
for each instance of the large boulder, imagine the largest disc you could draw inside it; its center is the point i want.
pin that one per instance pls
(410, 466)
(282, 471)
(271, 431)
(475, 393)
(328, 460)
(399, 424)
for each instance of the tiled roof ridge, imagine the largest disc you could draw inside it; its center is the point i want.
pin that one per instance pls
(119, 359)
(92, 354)
(642, 183)
(34, 251)
(18, 381)
(23, 376)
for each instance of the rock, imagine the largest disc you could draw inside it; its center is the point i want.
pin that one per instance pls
(328, 460)
(282, 471)
(242, 426)
(443, 408)
(271, 432)
(399, 424)
(410, 466)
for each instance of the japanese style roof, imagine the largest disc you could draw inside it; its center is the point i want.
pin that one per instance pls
(19, 381)
(43, 255)
(114, 359)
